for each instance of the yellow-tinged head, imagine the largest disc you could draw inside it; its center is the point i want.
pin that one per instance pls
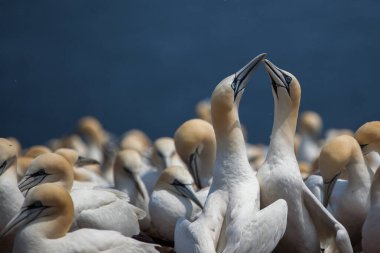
(49, 205)
(47, 168)
(368, 136)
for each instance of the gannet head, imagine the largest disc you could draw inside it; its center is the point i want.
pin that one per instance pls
(8, 154)
(203, 110)
(23, 163)
(72, 141)
(135, 139)
(37, 150)
(44, 203)
(73, 157)
(285, 85)
(311, 123)
(226, 96)
(335, 156)
(192, 138)
(163, 152)
(177, 180)
(228, 92)
(15, 143)
(47, 168)
(128, 163)
(368, 137)
(92, 130)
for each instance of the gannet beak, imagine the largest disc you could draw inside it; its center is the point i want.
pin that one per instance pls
(83, 161)
(135, 181)
(167, 162)
(364, 149)
(328, 188)
(277, 76)
(242, 76)
(26, 215)
(187, 191)
(2, 167)
(193, 164)
(28, 182)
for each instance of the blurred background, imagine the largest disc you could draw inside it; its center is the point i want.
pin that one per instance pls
(145, 64)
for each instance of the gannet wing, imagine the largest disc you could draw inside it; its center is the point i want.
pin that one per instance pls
(202, 235)
(106, 209)
(192, 238)
(333, 236)
(315, 184)
(91, 240)
(260, 231)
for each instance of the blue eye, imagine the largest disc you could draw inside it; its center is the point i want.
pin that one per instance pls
(288, 79)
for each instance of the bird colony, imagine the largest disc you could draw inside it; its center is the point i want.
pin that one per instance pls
(204, 189)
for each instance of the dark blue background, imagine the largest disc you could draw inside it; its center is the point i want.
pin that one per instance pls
(145, 64)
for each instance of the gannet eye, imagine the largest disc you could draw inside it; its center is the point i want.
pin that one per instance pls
(288, 79)
(160, 154)
(36, 204)
(176, 182)
(40, 172)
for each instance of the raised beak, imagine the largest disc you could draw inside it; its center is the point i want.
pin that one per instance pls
(25, 216)
(83, 161)
(328, 188)
(242, 76)
(276, 76)
(193, 164)
(187, 191)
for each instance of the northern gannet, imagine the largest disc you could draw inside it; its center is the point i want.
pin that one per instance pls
(231, 220)
(86, 170)
(196, 145)
(45, 219)
(347, 200)
(308, 223)
(137, 140)
(371, 226)
(127, 179)
(310, 128)
(163, 155)
(368, 137)
(172, 198)
(98, 208)
(10, 196)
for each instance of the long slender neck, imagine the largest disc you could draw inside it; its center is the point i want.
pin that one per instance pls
(358, 173)
(284, 127)
(207, 159)
(230, 151)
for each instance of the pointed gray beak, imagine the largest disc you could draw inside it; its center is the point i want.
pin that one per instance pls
(83, 161)
(328, 188)
(28, 182)
(242, 76)
(277, 76)
(2, 167)
(187, 191)
(193, 166)
(25, 216)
